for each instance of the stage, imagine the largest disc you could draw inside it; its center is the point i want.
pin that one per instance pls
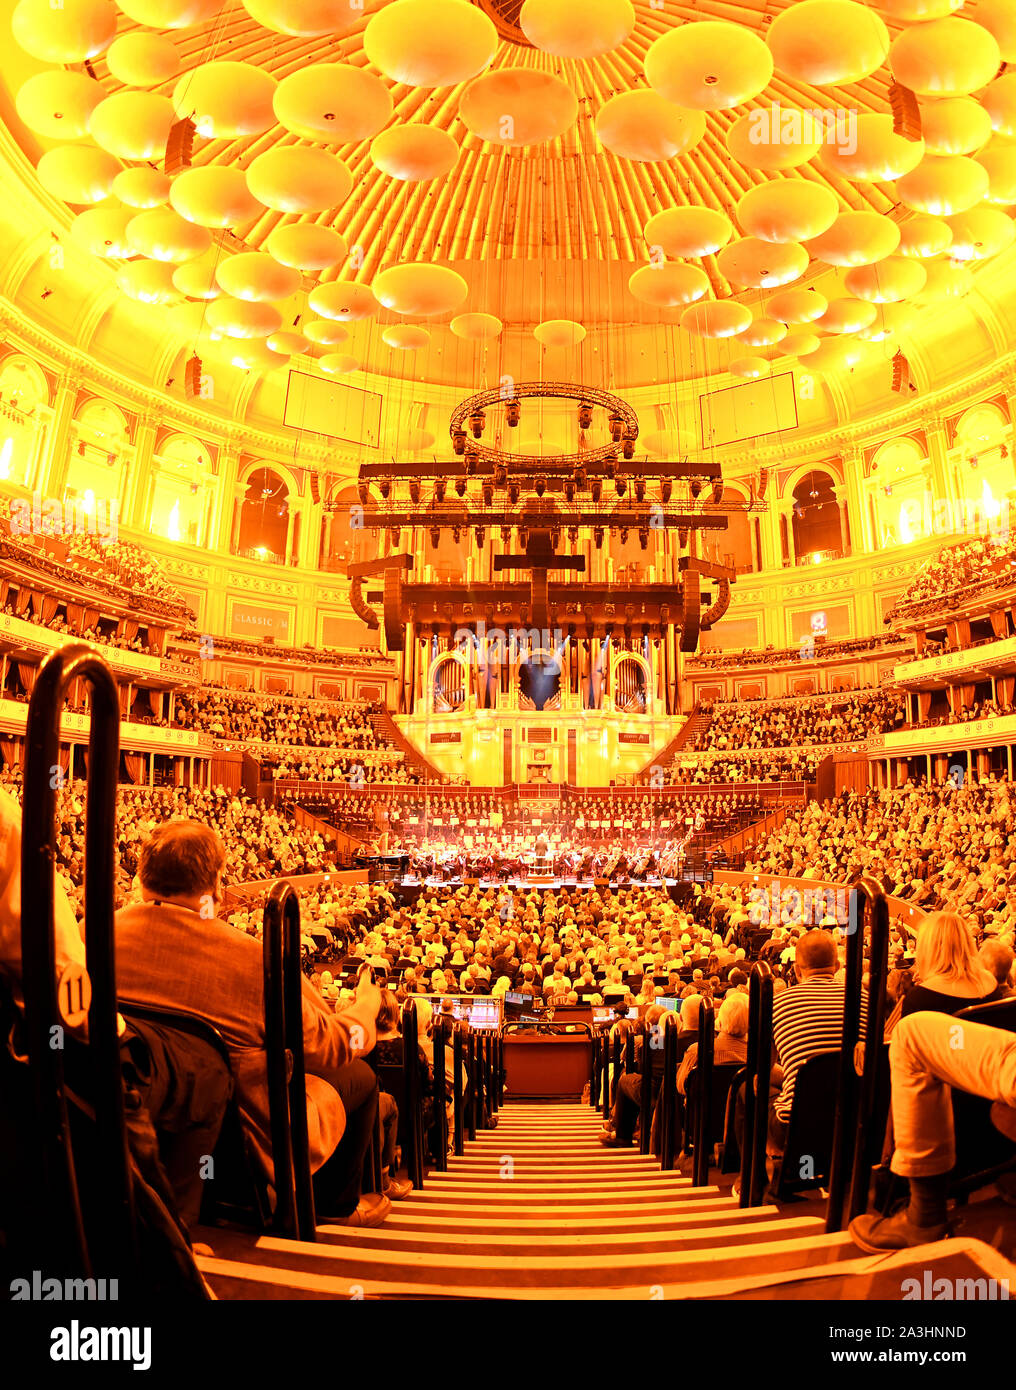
(677, 888)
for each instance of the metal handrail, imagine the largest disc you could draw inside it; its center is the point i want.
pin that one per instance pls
(413, 1092)
(458, 1095)
(668, 1095)
(287, 1083)
(856, 1095)
(704, 1092)
(650, 1038)
(440, 1096)
(758, 1064)
(847, 1093)
(65, 1234)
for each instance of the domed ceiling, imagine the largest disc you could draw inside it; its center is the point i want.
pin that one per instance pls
(412, 188)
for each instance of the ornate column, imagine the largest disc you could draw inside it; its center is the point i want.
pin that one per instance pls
(858, 512)
(134, 503)
(53, 468)
(221, 523)
(239, 493)
(942, 475)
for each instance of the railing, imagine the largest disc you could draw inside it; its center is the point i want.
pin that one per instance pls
(668, 1095)
(49, 1005)
(849, 1174)
(413, 1093)
(704, 1092)
(287, 1088)
(650, 1040)
(758, 1066)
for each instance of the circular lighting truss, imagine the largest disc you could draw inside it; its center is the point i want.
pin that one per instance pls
(625, 425)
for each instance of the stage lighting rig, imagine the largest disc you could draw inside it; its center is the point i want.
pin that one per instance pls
(440, 489)
(477, 422)
(459, 441)
(616, 422)
(640, 489)
(512, 412)
(487, 493)
(540, 486)
(385, 488)
(620, 486)
(666, 490)
(460, 487)
(585, 415)
(596, 491)
(415, 492)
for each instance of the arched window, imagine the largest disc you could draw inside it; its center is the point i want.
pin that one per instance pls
(180, 498)
(264, 517)
(345, 539)
(23, 391)
(985, 468)
(901, 500)
(97, 464)
(816, 518)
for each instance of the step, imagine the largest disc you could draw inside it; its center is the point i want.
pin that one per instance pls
(720, 1212)
(597, 1198)
(635, 1188)
(701, 1235)
(714, 1261)
(548, 1214)
(604, 1162)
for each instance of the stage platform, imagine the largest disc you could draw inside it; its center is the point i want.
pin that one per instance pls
(525, 885)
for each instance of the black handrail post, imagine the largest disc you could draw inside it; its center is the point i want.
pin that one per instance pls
(495, 1073)
(878, 970)
(440, 1097)
(473, 1106)
(277, 1065)
(756, 1096)
(115, 1218)
(668, 1094)
(594, 1074)
(605, 1074)
(457, 1093)
(615, 1072)
(413, 1094)
(703, 1093)
(629, 1051)
(650, 1040)
(862, 896)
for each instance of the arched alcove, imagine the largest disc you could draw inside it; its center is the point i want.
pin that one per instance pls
(264, 516)
(816, 517)
(179, 508)
(23, 392)
(899, 491)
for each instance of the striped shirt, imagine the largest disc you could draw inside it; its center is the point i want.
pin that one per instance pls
(808, 1019)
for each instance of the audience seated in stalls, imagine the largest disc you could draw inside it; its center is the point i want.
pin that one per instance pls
(173, 951)
(998, 958)
(731, 1043)
(275, 719)
(948, 973)
(620, 1131)
(924, 1062)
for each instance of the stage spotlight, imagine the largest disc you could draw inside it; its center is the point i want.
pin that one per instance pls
(460, 486)
(481, 537)
(396, 535)
(456, 534)
(414, 492)
(620, 486)
(624, 535)
(514, 494)
(512, 411)
(540, 486)
(696, 488)
(640, 489)
(644, 537)
(385, 488)
(581, 476)
(506, 535)
(596, 490)
(440, 488)
(500, 475)
(476, 423)
(569, 489)
(523, 537)
(435, 536)
(616, 426)
(628, 447)
(459, 441)
(487, 493)
(361, 491)
(610, 468)
(585, 415)
(666, 490)
(573, 534)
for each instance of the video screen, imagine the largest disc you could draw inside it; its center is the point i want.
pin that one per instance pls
(484, 1012)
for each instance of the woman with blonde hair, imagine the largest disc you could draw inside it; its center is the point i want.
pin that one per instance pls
(948, 975)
